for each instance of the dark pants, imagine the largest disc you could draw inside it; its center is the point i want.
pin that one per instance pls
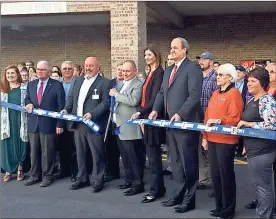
(112, 155)
(261, 168)
(87, 140)
(221, 161)
(184, 155)
(133, 158)
(43, 150)
(67, 154)
(155, 165)
(204, 169)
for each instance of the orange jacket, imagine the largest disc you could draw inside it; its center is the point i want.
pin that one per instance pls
(228, 107)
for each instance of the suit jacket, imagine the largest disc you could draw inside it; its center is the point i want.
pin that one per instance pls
(183, 96)
(53, 99)
(153, 135)
(127, 106)
(97, 107)
(244, 92)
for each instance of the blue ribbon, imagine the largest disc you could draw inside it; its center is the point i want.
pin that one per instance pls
(221, 129)
(92, 125)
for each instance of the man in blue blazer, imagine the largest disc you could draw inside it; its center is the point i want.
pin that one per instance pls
(179, 97)
(47, 94)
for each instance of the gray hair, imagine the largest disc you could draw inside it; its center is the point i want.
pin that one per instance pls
(230, 70)
(43, 62)
(68, 62)
(184, 44)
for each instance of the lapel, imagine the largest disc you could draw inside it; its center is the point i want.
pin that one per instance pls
(91, 89)
(33, 92)
(78, 86)
(48, 87)
(179, 70)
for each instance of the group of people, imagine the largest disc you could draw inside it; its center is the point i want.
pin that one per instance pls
(186, 90)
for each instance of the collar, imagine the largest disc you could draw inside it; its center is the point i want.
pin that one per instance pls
(240, 82)
(128, 82)
(227, 89)
(180, 62)
(62, 80)
(44, 82)
(93, 78)
(210, 73)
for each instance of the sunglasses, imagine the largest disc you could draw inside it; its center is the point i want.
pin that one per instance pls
(67, 69)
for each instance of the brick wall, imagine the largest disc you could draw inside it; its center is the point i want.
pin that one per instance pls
(230, 38)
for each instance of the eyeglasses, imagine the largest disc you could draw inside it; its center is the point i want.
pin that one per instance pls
(67, 69)
(41, 69)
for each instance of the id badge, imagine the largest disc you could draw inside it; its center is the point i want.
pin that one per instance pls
(95, 96)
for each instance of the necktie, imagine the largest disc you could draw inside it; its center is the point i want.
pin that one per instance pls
(40, 93)
(172, 75)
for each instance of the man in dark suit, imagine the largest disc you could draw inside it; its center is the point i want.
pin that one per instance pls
(112, 148)
(47, 94)
(66, 144)
(89, 99)
(184, 81)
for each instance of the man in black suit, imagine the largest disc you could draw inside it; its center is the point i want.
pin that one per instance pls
(112, 148)
(89, 99)
(184, 81)
(47, 94)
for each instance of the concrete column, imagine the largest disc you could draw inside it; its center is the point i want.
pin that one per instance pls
(128, 33)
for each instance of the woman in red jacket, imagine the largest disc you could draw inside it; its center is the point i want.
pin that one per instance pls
(225, 107)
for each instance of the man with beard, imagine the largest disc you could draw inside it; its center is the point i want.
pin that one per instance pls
(209, 85)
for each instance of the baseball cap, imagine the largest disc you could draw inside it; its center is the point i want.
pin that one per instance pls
(207, 55)
(240, 68)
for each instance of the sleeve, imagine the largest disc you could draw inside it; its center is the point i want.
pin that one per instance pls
(195, 78)
(132, 99)
(267, 110)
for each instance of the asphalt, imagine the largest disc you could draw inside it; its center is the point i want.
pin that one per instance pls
(57, 201)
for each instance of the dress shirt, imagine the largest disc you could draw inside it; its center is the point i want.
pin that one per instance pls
(87, 83)
(239, 85)
(44, 85)
(66, 86)
(126, 84)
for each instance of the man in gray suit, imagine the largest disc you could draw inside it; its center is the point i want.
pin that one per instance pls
(180, 97)
(128, 97)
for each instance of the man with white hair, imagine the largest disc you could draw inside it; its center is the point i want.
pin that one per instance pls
(46, 94)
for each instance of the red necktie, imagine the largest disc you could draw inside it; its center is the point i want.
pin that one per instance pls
(172, 75)
(40, 93)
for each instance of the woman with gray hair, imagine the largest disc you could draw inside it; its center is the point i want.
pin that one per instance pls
(225, 108)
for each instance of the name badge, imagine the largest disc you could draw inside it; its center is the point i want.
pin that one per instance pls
(95, 96)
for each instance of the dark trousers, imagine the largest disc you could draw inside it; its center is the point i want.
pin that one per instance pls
(261, 168)
(43, 150)
(67, 154)
(112, 155)
(87, 140)
(155, 164)
(184, 154)
(133, 158)
(204, 170)
(221, 161)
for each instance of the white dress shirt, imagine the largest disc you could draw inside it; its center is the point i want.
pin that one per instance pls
(87, 83)
(126, 84)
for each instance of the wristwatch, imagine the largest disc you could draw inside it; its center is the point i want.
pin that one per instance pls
(218, 121)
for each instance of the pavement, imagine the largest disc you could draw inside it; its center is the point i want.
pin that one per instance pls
(57, 201)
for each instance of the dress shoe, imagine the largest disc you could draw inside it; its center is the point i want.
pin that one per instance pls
(31, 181)
(169, 203)
(203, 186)
(108, 178)
(79, 185)
(226, 217)
(211, 194)
(73, 179)
(215, 213)
(134, 191)
(124, 186)
(45, 183)
(166, 172)
(183, 208)
(151, 198)
(97, 187)
(252, 205)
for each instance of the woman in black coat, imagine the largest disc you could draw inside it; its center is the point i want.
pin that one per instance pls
(153, 136)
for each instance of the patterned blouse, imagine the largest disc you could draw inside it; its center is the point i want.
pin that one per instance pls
(267, 110)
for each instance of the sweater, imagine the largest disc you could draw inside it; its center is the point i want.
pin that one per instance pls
(228, 107)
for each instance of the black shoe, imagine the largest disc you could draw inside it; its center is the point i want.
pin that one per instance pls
(203, 186)
(169, 203)
(215, 213)
(45, 183)
(124, 186)
(134, 191)
(108, 178)
(183, 208)
(252, 205)
(79, 185)
(97, 187)
(211, 194)
(226, 217)
(73, 179)
(31, 181)
(151, 198)
(166, 172)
